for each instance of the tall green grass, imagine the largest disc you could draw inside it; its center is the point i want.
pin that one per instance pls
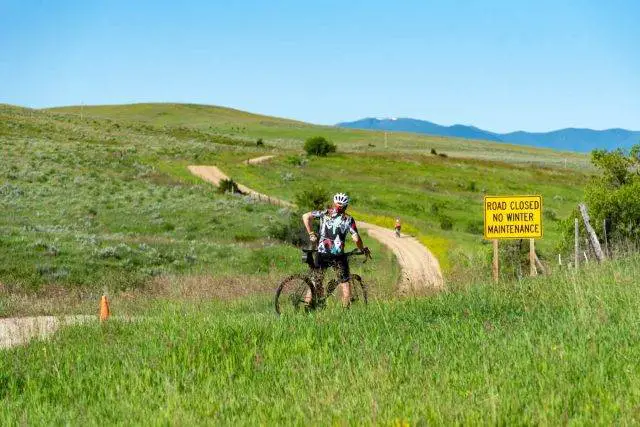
(550, 350)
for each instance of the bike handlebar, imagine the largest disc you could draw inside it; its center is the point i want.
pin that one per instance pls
(347, 254)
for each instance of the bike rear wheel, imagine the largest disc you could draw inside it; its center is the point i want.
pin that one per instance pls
(291, 294)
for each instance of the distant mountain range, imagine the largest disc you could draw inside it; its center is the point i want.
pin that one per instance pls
(570, 139)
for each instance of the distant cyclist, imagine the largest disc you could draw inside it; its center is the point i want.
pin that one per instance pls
(334, 226)
(397, 227)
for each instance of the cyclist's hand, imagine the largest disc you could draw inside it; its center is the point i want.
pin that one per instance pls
(366, 252)
(313, 237)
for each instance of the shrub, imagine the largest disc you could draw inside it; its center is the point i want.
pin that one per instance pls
(260, 142)
(446, 222)
(475, 227)
(513, 256)
(297, 160)
(471, 186)
(314, 197)
(319, 146)
(550, 214)
(614, 196)
(443, 155)
(228, 186)
(436, 207)
(291, 230)
(434, 152)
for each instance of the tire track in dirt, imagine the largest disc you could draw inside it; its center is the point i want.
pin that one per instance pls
(420, 269)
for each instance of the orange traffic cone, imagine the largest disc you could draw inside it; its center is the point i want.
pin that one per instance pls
(104, 308)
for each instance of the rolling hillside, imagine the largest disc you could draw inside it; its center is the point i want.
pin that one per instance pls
(289, 134)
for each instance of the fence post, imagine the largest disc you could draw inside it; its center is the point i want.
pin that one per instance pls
(593, 238)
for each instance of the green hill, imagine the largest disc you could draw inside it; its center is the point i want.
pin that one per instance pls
(290, 134)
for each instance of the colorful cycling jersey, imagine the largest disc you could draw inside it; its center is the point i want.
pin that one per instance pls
(333, 230)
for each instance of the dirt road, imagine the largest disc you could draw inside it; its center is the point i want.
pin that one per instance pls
(215, 175)
(19, 330)
(420, 269)
(260, 159)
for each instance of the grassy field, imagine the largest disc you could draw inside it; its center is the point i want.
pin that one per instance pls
(403, 179)
(545, 351)
(93, 204)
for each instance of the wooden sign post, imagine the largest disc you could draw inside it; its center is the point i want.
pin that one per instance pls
(532, 258)
(513, 217)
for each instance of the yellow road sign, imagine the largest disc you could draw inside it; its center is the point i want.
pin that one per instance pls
(512, 217)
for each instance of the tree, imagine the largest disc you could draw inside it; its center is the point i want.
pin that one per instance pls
(319, 146)
(613, 196)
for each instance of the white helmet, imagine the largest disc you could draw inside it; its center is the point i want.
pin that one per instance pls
(341, 199)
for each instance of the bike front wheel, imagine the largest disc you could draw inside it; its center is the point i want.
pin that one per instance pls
(294, 294)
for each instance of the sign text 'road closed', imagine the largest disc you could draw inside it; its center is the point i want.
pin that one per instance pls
(512, 217)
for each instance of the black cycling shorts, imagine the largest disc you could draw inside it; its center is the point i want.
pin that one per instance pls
(338, 262)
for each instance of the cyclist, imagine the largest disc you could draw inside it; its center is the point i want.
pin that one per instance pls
(397, 227)
(334, 226)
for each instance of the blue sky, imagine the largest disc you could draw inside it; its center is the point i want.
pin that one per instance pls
(499, 65)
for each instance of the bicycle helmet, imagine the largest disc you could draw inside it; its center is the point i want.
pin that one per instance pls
(341, 199)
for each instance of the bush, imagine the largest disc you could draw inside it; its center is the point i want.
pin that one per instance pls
(434, 152)
(443, 155)
(319, 146)
(260, 142)
(475, 227)
(228, 186)
(614, 196)
(438, 206)
(314, 197)
(291, 231)
(446, 222)
(513, 256)
(297, 160)
(550, 214)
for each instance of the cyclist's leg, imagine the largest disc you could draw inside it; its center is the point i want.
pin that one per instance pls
(341, 264)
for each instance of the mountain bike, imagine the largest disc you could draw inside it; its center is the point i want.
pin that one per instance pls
(303, 292)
